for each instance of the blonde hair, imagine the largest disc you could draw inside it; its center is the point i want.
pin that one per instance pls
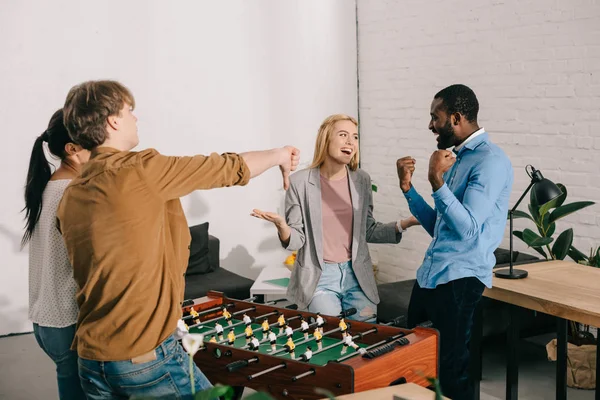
(324, 138)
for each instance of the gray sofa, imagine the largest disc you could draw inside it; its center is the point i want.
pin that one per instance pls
(395, 297)
(204, 272)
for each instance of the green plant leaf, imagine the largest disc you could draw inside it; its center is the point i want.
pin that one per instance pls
(534, 211)
(534, 240)
(325, 392)
(519, 234)
(546, 226)
(215, 392)
(576, 255)
(541, 251)
(544, 208)
(563, 243)
(551, 229)
(543, 226)
(519, 214)
(567, 209)
(259, 396)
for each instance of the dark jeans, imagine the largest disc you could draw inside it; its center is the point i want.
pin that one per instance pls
(450, 307)
(56, 343)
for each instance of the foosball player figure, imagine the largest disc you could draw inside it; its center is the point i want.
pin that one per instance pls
(247, 320)
(272, 340)
(254, 343)
(318, 336)
(289, 332)
(349, 342)
(320, 322)
(281, 322)
(213, 339)
(343, 327)
(195, 316)
(304, 327)
(290, 346)
(219, 330)
(249, 333)
(307, 354)
(266, 328)
(226, 315)
(231, 337)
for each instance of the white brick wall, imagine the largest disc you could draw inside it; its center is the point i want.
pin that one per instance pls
(535, 67)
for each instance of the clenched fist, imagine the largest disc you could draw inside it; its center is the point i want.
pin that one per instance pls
(405, 167)
(439, 162)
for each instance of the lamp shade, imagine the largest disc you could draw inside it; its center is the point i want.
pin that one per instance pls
(546, 191)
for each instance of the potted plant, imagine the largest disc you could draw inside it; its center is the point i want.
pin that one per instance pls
(544, 216)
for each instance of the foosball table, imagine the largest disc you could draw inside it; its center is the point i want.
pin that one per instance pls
(289, 353)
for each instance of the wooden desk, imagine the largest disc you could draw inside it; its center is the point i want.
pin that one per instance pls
(407, 391)
(563, 289)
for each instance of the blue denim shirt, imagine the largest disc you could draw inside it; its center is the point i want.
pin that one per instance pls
(469, 218)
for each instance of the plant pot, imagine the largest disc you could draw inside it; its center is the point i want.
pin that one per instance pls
(581, 364)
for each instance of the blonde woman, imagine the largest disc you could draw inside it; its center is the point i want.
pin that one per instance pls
(329, 220)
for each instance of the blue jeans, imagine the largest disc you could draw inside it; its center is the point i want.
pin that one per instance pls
(56, 343)
(450, 307)
(339, 290)
(167, 377)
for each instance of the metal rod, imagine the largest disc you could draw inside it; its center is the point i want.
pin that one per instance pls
(206, 311)
(221, 317)
(310, 339)
(266, 371)
(512, 355)
(271, 325)
(561, 359)
(304, 375)
(258, 329)
(365, 333)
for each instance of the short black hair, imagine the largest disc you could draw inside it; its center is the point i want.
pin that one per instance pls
(459, 99)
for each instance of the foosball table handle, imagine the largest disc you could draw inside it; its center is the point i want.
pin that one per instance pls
(426, 324)
(239, 364)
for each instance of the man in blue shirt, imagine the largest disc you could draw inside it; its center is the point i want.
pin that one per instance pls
(471, 188)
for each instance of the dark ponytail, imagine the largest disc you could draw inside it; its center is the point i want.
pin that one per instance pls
(40, 171)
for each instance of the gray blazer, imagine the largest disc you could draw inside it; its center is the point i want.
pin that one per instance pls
(303, 215)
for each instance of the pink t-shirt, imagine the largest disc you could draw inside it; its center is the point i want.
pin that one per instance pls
(336, 208)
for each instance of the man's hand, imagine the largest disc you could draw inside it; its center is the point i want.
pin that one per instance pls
(405, 167)
(440, 162)
(290, 158)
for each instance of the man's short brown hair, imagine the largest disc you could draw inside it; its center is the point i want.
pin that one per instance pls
(88, 107)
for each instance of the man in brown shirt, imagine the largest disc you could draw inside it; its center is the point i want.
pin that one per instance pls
(128, 241)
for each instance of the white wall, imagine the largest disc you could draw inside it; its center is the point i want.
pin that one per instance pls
(207, 76)
(535, 67)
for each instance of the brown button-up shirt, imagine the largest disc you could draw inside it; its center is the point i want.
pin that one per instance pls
(128, 242)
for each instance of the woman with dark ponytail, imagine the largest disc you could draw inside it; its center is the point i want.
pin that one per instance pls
(52, 306)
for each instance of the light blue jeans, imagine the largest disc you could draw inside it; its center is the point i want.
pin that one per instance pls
(167, 377)
(56, 343)
(339, 290)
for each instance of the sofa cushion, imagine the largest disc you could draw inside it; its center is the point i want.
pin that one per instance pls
(199, 262)
(395, 297)
(503, 257)
(234, 286)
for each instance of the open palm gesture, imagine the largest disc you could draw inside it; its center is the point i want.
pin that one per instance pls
(275, 218)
